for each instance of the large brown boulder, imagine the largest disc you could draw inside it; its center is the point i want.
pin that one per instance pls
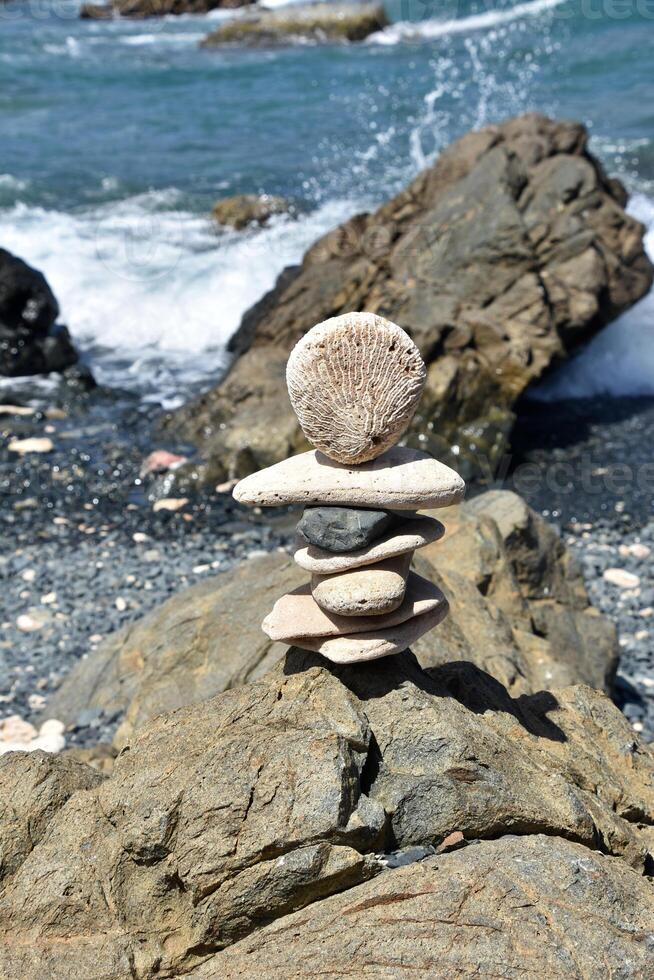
(518, 605)
(519, 611)
(225, 816)
(499, 260)
(200, 642)
(516, 908)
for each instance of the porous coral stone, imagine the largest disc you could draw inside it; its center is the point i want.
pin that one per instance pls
(354, 382)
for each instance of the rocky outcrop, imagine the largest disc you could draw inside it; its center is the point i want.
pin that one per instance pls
(538, 906)
(199, 643)
(242, 210)
(143, 9)
(316, 22)
(519, 612)
(34, 786)
(499, 260)
(225, 816)
(31, 342)
(519, 607)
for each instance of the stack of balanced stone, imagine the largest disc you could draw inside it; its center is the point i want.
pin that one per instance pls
(354, 382)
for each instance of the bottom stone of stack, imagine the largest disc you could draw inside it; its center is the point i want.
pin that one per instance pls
(355, 647)
(369, 591)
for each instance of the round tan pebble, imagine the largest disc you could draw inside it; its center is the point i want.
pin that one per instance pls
(354, 382)
(368, 591)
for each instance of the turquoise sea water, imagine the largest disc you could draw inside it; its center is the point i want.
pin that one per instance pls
(117, 137)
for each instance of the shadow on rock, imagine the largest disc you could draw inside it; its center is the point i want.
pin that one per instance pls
(468, 684)
(367, 681)
(479, 692)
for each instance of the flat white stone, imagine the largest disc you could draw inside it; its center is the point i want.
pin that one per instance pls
(298, 614)
(400, 479)
(356, 647)
(371, 590)
(414, 533)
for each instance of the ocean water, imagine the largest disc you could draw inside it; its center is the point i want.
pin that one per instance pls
(117, 137)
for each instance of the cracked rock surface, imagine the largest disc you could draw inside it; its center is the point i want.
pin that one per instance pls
(513, 908)
(226, 816)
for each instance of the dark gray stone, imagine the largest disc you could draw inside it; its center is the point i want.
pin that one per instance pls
(343, 528)
(30, 340)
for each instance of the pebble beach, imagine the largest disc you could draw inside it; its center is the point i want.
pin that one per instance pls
(83, 549)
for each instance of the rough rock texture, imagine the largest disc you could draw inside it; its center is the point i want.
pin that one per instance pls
(223, 816)
(34, 786)
(30, 340)
(198, 643)
(518, 610)
(313, 22)
(505, 255)
(520, 907)
(343, 528)
(142, 9)
(401, 478)
(354, 382)
(519, 607)
(241, 210)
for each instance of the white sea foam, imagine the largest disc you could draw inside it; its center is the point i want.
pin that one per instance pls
(274, 4)
(12, 183)
(434, 28)
(152, 292)
(144, 40)
(619, 361)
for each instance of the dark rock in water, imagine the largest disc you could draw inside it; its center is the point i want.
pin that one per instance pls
(313, 21)
(30, 340)
(242, 210)
(343, 528)
(499, 260)
(96, 11)
(223, 818)
(143, 9)
(26, 300)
